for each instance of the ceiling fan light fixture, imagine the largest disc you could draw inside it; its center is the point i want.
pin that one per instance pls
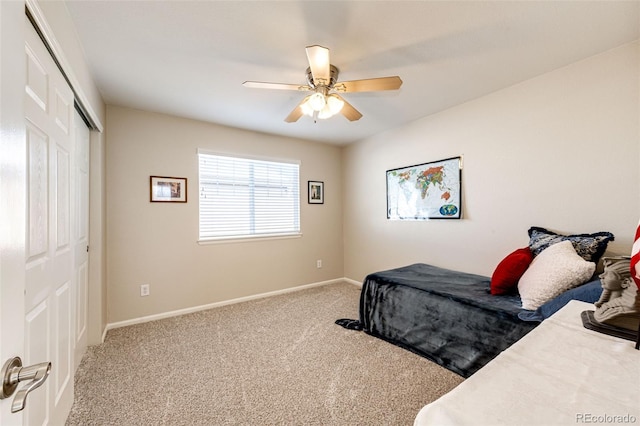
(317, 101)
(325, 112)
(306, 108)
(335, 104)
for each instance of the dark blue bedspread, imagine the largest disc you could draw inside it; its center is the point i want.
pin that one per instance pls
(447, 316)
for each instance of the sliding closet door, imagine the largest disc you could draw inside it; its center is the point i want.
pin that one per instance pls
(49, 304)
(80, 235)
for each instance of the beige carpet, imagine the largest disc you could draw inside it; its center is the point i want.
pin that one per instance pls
(278, 360)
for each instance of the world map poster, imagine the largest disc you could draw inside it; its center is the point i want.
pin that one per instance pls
(425, 191)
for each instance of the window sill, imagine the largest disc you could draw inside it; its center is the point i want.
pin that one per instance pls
(249, 238)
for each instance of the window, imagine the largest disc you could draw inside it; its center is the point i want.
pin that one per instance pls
(243, 197)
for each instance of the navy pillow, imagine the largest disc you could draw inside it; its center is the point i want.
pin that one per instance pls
(590, 247)
(589, 292)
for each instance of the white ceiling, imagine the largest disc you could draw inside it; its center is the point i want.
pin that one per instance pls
(189, 58)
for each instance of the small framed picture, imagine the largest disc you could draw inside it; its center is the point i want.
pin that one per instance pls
(168, 189)
(316, 192)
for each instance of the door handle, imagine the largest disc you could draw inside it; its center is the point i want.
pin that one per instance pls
(13, 373)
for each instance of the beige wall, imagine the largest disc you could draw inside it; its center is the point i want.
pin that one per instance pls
(558, 151)
(156, 243)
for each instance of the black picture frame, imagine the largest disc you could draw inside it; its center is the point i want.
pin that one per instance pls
(315, 192)
(425, 191)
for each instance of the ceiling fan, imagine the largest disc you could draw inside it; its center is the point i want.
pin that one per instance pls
(322, 81)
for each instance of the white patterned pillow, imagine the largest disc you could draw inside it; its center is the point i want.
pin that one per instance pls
(554, 271)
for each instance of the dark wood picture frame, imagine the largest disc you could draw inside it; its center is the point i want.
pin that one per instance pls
(165, 189)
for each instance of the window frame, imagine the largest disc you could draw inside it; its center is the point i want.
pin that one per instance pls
(249, 237)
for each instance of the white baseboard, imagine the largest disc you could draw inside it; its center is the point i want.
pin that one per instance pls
(354, 282)
(185, 311)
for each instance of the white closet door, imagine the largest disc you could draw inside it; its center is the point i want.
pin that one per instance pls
(80, 235)
(49, 314)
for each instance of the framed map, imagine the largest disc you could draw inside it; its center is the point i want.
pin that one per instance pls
(425, 191)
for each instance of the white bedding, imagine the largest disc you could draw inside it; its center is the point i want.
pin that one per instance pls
(559, 374)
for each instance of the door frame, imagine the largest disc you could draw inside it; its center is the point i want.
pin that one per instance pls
(12, 188)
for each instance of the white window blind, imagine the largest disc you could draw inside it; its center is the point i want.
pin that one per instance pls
(242, 197)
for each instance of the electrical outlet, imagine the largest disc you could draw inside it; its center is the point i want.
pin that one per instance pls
(144, 290)
(319, 264)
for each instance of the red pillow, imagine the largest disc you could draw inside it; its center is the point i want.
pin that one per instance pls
(508, 272)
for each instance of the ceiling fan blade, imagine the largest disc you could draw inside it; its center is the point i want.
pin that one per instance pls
(349, 111)
(319, 63)
(369, 85)
(296, 113)
(277, 86)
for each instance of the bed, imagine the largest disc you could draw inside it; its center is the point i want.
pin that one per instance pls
(461, 320)
(564, 374)
(447, 316)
